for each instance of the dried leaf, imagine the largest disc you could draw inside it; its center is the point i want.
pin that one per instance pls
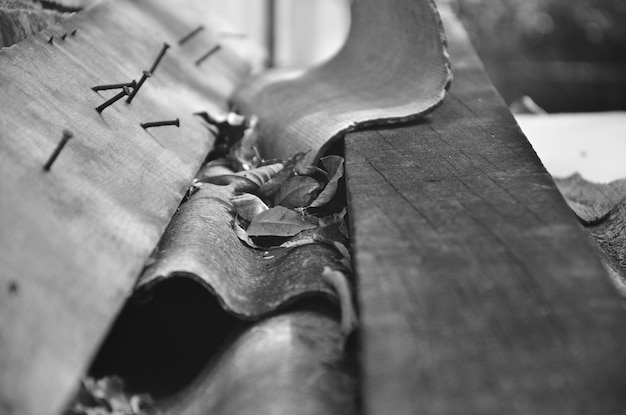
(297, 191)
(306, 240)
(243, 235)
(341, 285)
(248, 205)
(310, 171)
(263, 174)
(268, 190)
(244, 181)
(334, 167)
(278, 221)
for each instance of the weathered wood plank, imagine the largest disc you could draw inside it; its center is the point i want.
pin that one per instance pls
(479, 292)
(74, 239)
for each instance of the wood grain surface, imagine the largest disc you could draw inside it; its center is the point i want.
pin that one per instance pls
(393, 67)
(479, 291)
(292, 363)
(200, 244)
(74, 239)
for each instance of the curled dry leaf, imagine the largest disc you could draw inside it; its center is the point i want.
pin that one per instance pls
(245, 181)
(243, 235)
(263, 174)
(268, 190)
(334, 167)
(339, 282)
(278, 221)
(248, 205)
(297, 191)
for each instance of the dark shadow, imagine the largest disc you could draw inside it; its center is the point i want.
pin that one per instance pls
(161, 342)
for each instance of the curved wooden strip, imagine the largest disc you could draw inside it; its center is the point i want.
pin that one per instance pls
(393, 68)
(74, 239)
(200, 243)
(292, 363)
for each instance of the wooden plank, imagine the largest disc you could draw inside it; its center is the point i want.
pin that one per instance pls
(75, 238)
(290, 363)
(479, 292)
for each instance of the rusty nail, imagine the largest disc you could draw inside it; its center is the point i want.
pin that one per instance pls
(191, 34)
(158, 59)
(131, 84)
(125, 91)
(66, 136)
(143, 78)
(209, 53)
(146, 125)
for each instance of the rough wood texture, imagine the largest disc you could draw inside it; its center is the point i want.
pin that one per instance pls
(20, 19)
(200, 243)
(601, 208)
(74, 239)
(393, 67)
(479, 291)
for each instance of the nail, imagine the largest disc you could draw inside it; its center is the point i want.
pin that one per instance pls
(51, 40)
(64, 36)
(209, 53)
(158, 59)
(131, 84)
(125, 91)
(143, 78)
(74, 32)
(191, 34)
(146, 125)
(66, 136)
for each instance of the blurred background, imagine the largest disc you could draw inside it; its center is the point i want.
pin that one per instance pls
(560, 65)
(567, 55)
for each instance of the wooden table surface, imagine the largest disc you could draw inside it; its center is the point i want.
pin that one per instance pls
(479, 291)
